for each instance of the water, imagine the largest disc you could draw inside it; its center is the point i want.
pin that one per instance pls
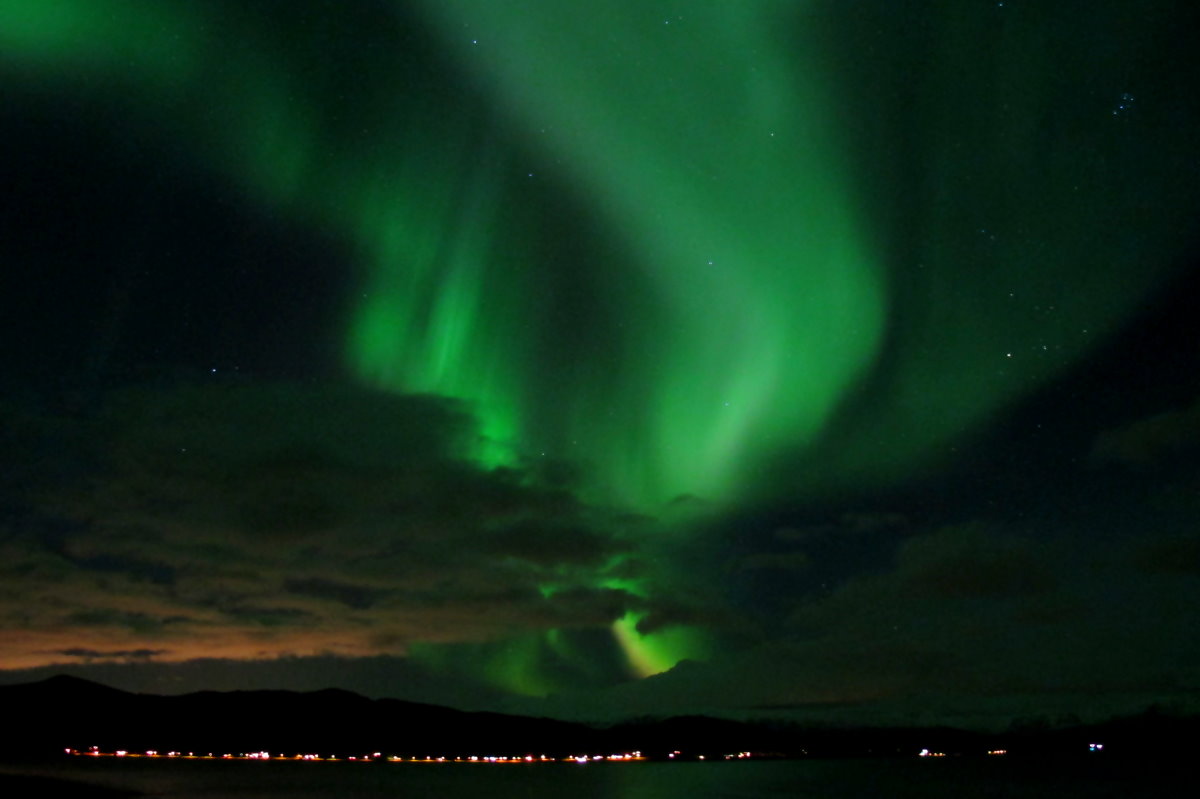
(845, 779)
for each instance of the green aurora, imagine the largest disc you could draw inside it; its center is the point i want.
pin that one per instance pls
(675, 246)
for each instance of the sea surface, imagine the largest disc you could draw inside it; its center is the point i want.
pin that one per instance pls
(808, 779)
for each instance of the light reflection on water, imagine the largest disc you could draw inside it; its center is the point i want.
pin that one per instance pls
(846, 779)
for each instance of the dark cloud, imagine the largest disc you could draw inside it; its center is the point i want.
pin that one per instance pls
(954, 575)
(1150, 441)
(843, 525)
(781, 561)
(548, 545)
(1168, 555)
(698, 609)
(251, 520)
(112, 654)
(269, 617)
(352, 596)
(109, 617)
(872, 521)
(971, 563)
(134, 568)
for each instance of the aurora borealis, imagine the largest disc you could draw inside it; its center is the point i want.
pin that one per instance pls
(797, 352)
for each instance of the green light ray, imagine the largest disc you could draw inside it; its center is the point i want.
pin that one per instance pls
(768, 304)
(653, 653)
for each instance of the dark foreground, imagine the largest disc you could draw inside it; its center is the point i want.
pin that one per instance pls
(21, 785)
(1072, 778)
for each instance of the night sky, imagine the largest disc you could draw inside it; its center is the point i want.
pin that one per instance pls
(837, 359)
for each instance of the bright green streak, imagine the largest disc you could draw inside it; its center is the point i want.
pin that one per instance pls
(709, 149)
(653, 653)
